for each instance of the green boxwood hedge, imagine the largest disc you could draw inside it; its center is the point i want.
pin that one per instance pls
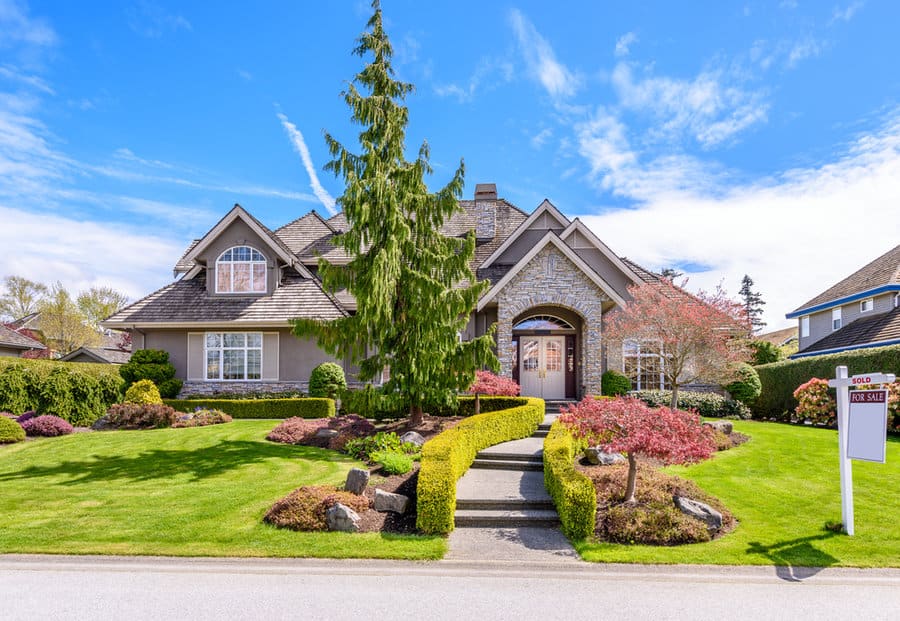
(573, 493)
(260, 408)
(10, 431)
(447, 456)
(780, 379)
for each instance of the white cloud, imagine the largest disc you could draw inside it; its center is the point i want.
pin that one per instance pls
(33, 81)
(624, 43)
(244, 74)
(150, 20)
(807, 47)
(712, 107)
(299, 144)
(540, 138)
(17, 28)
(795, 234)
(489, 74)
(556, 79)
(847, 13)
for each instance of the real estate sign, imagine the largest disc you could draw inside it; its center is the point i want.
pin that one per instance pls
(867, 425)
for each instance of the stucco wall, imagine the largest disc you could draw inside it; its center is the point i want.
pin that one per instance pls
(10, 352)
(238, 234)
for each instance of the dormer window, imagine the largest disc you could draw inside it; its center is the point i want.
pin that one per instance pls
(241, 269)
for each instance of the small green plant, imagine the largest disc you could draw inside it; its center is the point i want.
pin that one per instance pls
(392, 462)
(383, 441)
(143, 392)
(746, 387)
(327, 380)
(10, 431)
(613, 383)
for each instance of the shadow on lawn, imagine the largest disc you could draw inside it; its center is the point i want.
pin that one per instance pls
(796, 559)
(200, 463)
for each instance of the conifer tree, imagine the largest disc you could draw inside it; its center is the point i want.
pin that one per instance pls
(753, 304)
(414, 287)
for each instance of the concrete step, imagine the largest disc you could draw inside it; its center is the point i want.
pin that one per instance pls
(541, 433)
(509, 455)
(507, 464)
(499, 518)
(497, 504)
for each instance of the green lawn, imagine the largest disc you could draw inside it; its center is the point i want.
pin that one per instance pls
(783, 486)
(182, 492)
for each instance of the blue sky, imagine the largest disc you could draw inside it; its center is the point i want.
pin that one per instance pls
(724, 139)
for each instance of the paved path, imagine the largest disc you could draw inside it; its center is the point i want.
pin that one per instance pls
(50, 588)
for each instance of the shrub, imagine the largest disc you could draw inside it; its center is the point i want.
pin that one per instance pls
(26, 416)
(14, 389)
(572, 492)
(779, 380)
(705, 404)
(465, 406)
(392, 462)
(487, 383)
(260, 408)
(369, 402)
(169, 389)
(304, 508)
(383, 441)
(10, 431)
(140, 416)
(764, 352)
(152, 365)
(746, 387)
(814, 403)
(327, 380)
(614, 384)
(47, 426)
(201, 418)
(296, 430)
(448, 455)
(143, 392)
(245, 395)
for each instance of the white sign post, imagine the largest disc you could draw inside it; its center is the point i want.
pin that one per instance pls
(860, 421)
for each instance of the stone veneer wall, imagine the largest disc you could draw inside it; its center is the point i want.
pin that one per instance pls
(223, 388)
(552, 279)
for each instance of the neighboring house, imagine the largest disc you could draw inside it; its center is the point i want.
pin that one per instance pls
(862, 310)
(114, 348)
(14, 344)
(225, 320)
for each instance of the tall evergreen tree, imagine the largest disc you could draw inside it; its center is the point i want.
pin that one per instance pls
(753, 304)
(414, 287)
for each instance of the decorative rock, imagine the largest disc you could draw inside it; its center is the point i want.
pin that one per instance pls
(700, 511)
(725, 426)
(598, 458)
(385, 501)
(357, 479)
(343, 518)
(102, 424)
(324, 433)
(413, 438)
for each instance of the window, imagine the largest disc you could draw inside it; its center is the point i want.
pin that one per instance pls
(232, 356)
(543, 322)
(804, 327)
(866, 305)
(896, 300)
(241, 269)
(643, 367)
(835, 319)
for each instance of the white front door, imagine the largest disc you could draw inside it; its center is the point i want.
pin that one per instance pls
(541, 368)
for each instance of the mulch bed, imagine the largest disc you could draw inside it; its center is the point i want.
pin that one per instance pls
(430, 427)
(373, 521)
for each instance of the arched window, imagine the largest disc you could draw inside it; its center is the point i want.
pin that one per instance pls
(241, 269)
(543, 322)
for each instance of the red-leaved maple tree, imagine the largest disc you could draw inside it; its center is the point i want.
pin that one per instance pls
(697, 337)
(628, 425)
(487, 383)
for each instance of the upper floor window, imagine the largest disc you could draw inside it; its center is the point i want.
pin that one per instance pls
(836, 319)
(241, 269)
(896, 300)
(866, 305)
(804, 326)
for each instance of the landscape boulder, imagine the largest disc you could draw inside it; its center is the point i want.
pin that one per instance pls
(343, 518)
(413, 438)
(725, 426)
(357, 480)
(386, 501)
(324, 433)
(598, 458)
(700, 511)
(102, 424)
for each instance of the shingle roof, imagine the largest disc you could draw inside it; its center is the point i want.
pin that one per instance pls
(187, 301)
(338, 222)
(101, 354)
(885, 270)
(183, 265)
(303, 231)
(883, 327)
(11, 338)
(778, 337)
(644, 274)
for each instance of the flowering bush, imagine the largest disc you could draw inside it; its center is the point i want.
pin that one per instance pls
(487, 383)
(201, 417)
(628, 425)
(894, 406)
(48, 426)
(137, 416)
(815, 404)
(304, 508)
(26, 416)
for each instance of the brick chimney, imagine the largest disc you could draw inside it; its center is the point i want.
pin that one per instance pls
(485, 211)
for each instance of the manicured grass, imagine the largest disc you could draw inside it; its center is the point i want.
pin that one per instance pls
(783, 486)
(181, 492)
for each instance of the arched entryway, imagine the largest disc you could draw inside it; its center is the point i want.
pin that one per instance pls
(546, 342)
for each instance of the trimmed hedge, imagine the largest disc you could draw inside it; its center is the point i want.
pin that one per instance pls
(260, 408)
(613, 383)
(77, 392)
(448, 455)
(706, 404)
(10, 431)
(466, 405)
(780, 379)
(573, 493)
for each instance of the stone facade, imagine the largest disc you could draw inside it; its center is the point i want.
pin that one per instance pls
(200, 388)
(552, 279)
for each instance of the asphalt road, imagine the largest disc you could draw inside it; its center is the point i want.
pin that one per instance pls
(47, 588)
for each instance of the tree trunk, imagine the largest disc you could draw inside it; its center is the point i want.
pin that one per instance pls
(674, 403)
(632, 480)
(477, 403)
(416, 416)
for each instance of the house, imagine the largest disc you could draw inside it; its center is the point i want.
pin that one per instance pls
(225, 319)
(14, 344)
(862, 310)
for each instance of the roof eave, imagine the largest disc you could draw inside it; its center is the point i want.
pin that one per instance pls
(842, 300)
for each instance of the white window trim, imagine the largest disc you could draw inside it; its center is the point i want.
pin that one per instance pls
(862, 305)
(251, 263)
(804, 326)
(640, 356)
(896, 300)
(836, 321)
(222, 361)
